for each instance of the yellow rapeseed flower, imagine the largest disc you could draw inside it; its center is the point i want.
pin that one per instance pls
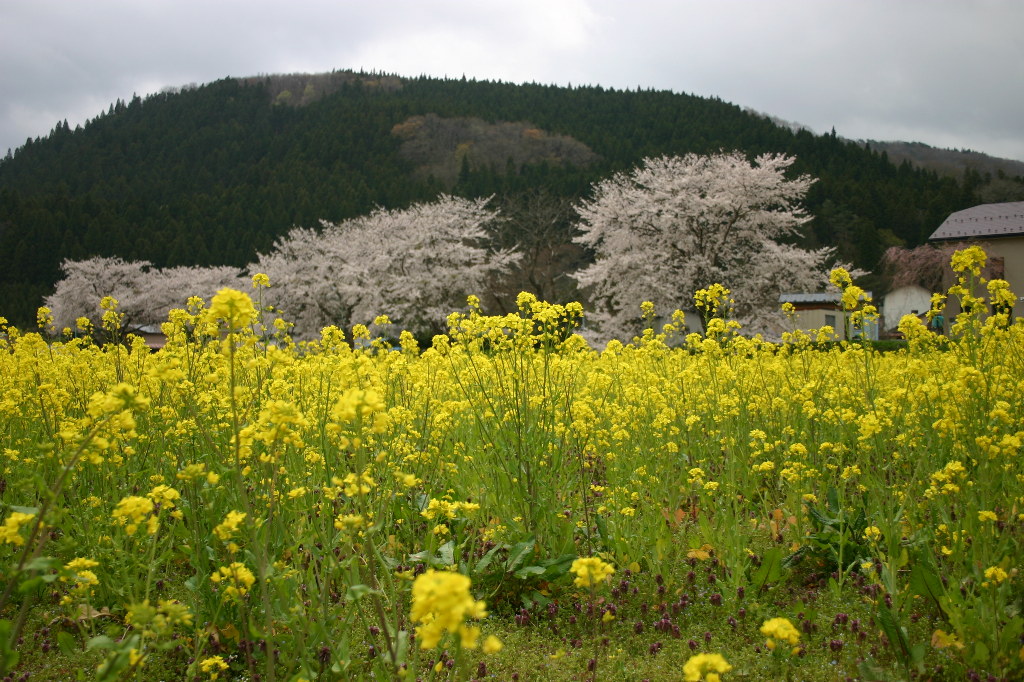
(971, 259)
(590, 571)
(779, 628)
(492, 645)
(708, 667)
(10, 531)
(872, 533)
(994, 575)
(237, 578)
(441, 601)
(232, 307)
(225, 529)
(213, 666)
(131, 511)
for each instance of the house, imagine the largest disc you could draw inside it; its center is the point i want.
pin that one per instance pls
(814, 311)
(997, 228)
(909, 299)
(153, 335)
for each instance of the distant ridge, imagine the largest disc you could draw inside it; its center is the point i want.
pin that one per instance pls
(951, 162)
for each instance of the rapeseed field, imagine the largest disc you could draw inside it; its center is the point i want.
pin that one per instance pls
(511, 503)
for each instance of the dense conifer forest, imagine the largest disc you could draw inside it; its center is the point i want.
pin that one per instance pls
(213, 174)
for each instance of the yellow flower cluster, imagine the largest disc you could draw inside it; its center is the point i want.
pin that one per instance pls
(779, 629)
(232, 308)
(213, 666)
(872, 534)
(437, 509)
(441, 602)
(10, 532)
(590, 571)
(707, 667)
(160, 619)
(229, 526)
(994, 575)
(236, 579)
(132, 510)
(972, 260)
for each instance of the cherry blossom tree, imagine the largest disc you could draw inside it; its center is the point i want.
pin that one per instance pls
(145, 294)
(926, 266)
(414, 265)
(674, 225)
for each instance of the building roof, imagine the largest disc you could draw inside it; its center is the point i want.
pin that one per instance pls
(984, 221)
(825, 297)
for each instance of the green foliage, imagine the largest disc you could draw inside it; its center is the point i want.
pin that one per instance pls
(514, 575)
(213, 174)
(836, 541)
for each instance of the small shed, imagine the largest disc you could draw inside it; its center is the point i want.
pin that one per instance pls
(910, 299)
(815, 310)
(153, 335)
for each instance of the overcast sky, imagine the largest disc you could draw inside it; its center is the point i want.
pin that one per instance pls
(950, 74)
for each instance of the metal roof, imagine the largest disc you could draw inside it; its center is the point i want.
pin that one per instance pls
(987, 220)
(824, 297)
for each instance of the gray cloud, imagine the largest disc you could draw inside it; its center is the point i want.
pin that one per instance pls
(948, 74)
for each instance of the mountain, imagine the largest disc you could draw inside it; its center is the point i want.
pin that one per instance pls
(952, 162)
(949, 162)
(213, 174)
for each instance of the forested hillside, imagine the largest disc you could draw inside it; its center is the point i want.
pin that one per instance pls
(213, 174)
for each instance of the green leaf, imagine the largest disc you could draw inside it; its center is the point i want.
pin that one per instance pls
(11, 658)
(341, 658)
(356, 592)
(869, 672)
(30, 584)
(42, 563)
(795, 558)
(67, 644)
(924, 581)
(770, 569)
(535, 598)
(8, 657)
(517, 555)
(556, 568)
(897, 637)
(486, 559)
(446, 553)
(99, 642)
(821, 520)
(402, 647)
(833, 498)
(917, 656)
(529, 571)
(980, 655)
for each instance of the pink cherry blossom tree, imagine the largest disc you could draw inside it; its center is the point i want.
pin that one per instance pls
(145, 294)
(414, 265)
(674, 225)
